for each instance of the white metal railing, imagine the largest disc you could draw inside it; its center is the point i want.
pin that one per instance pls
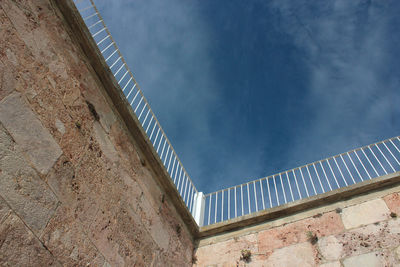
(312, 179)
(138, 102)
(315, 178)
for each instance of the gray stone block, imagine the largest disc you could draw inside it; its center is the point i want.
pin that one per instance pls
(22, 188)
(28, 132)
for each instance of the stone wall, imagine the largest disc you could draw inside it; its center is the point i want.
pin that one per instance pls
(74, 188)
(363, 231)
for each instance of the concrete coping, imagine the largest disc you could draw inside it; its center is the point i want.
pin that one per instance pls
(82, 36)
(301, 205)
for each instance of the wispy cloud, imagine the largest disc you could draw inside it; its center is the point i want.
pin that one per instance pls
(349, 55)
(353, 88)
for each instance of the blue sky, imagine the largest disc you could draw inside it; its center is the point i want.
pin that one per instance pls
(245, 89)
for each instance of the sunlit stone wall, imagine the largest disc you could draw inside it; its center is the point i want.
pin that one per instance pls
(74, 190)
(362, 231)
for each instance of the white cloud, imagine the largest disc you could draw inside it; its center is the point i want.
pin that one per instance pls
(353, 97)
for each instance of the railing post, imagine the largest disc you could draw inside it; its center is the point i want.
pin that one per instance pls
(198, 208)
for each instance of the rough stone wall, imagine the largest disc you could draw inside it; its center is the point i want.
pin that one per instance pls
(73, 188)
(349, 235)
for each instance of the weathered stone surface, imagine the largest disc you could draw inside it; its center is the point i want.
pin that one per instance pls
(301, 254)
(22, 188)
(5, 211)
(19, 247)
(330, 248)
(7, 81)
(105, 144)
(67, 241)
(27, 131)
(365, 213)
(226, 253)
(366, 260)
(393, 203)
(60, 126)
(331, 264)
(321, 225)
(383, 235)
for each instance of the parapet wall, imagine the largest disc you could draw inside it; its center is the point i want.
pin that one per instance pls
(360, 231)
(76, 188)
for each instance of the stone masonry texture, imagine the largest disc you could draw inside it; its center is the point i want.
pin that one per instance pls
(73, 190)
(332, 238)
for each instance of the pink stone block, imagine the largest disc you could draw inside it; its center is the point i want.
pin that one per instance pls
(393, 202)
(327, 224)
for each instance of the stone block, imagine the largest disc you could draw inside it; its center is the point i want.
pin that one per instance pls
(393, 203)
(22, 188)
(5, 211)
(65, 237)
(373, 237)
(28, 132)
(226, 253)
(296, 232)
(331, 264)
(301, 254)
(104, 141)
(365, 213)
(19, 247)
(120, 236)
(330, 248)
(365, 260)
(7, 79)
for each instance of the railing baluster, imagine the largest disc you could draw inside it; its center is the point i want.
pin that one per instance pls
(352, 162)
(222, 206)
(311, 179)
(113, 53)
(179, 179)
(269, 194)
(385, 158)
(262, 194)
(290, 186)
(152, 131)
(229, 204)
(133, 87)
(297, 184)
(255, 195)
(395, 144)
(347, 168)
(248, 197)
(283, 187)
(241, 198)
(305, 186)
(319, 179)
(326, 177)
(209, 210)
(235, 204)
(334, 176)
(377, 159)
(170, 158)
(173, 166)
(391, 153)
(362, 150)
(340, 171)
(216, 205)
(362, 164)
(276, 190)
